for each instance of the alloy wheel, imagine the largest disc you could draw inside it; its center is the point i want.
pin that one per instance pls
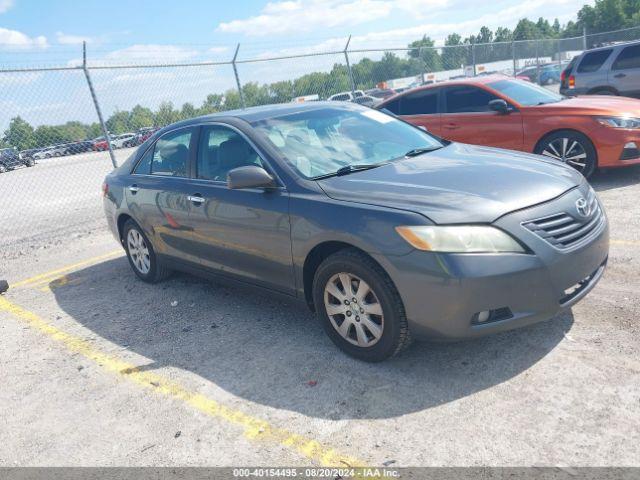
(354, 309)
(567, 150)
(138, 251)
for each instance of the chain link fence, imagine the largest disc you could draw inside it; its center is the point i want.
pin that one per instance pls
(67, 117)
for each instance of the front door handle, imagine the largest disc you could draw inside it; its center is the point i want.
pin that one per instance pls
(619, 75)
(134, 189)
(196, 199)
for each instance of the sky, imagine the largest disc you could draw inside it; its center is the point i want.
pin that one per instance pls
(46, 33)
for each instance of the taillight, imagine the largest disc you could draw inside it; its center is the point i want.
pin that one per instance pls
(105, 189)
(572, 81)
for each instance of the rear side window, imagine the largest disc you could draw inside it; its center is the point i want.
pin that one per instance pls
(424, 102)
(592, 61)
(171, 154)
(464, 99)
(629, 58)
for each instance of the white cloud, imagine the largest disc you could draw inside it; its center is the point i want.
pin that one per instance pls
(150, 53)
(67, 39)
(298, 16)
(215, 50)
(5, 5)
(15, 39)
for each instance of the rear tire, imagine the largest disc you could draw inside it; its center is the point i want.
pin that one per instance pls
(572, 148)
(604, 91)
(367, 323)
(141, 255)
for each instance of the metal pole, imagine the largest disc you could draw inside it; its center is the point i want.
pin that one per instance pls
(537, 64)
(513, 55)
(105, 132)
(584, 38)
(346, 57)
(235, 72)
(473, 57)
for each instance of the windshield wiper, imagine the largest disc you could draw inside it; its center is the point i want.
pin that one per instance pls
(347, 169)
(419, 151)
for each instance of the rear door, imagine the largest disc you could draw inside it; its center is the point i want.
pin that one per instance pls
(624, 75)
(158, 190)
(590, 73)
(421, 108)
(244, 232)
(467, 118)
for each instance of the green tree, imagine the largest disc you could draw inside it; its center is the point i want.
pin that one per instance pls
(423, 50)
(20, 134)
(140, 117)
(455, 56)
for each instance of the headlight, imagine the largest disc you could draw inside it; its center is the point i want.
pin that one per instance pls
(459, 239)
(619, 122)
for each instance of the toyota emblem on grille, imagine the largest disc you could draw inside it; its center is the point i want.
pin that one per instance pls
(583, 207)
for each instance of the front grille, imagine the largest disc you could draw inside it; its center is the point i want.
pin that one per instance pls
(565, 230)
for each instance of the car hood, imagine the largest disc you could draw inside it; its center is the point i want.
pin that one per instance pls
(592, 105)
(457, 184)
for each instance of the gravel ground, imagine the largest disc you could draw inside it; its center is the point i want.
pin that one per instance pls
(98, 368)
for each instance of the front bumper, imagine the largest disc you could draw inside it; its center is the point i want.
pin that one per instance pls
(610, 144)
(443, 293)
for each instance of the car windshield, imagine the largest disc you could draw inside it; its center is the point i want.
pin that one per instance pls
(525, 93)
(320, 141)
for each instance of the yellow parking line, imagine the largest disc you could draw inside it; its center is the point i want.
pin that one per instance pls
(47, 276)
(253, 428)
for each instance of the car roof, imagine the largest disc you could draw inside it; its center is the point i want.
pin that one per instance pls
(611, 46)
(254, 114)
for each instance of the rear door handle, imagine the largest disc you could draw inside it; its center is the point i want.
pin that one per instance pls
(451, 126)
(134, 189)
(619, 75)
(196, 199)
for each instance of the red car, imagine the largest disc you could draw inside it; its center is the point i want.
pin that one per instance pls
(100, 144)
(499, 111)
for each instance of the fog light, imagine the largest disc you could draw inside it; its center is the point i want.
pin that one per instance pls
(630, 151)
(486, 316)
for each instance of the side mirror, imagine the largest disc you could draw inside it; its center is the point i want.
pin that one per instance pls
(250, 176)
(499, 105)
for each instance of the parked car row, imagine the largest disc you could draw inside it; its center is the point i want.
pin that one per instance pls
(10, 159)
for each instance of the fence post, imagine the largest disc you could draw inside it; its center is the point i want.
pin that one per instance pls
(235, 72)
(105, 132)
(537, 62)
(346, 57)
(513, 56)
(584, 38)
(473, 57)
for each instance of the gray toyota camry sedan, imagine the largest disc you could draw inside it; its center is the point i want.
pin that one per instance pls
(387, 232)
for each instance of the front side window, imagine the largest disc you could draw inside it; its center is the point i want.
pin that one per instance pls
(319, 141)
(593, 61)
(171, 154)
(628, 58)
(467, 99)
(222, 149)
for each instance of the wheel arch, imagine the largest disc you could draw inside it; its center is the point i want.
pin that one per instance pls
(122, 219)
(316, 256)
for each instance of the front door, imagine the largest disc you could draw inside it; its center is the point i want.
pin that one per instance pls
(624, 75)
(244, 233)
(468, 119)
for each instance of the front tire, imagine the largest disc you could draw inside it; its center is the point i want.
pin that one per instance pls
(141, 255)
(572, 148)
(359, 307)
